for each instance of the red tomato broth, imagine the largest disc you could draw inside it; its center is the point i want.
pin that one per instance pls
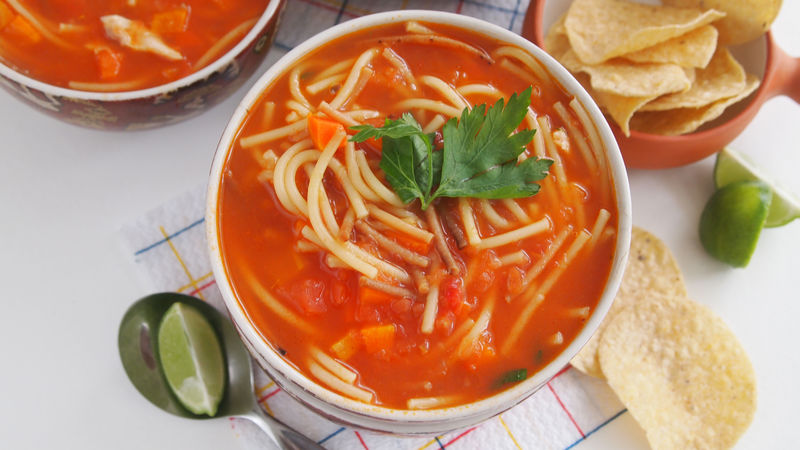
(257, 236)
(78, 25)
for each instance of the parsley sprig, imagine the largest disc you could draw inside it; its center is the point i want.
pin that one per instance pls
(479, 158)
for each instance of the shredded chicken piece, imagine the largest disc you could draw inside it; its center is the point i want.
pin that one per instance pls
(134, 34)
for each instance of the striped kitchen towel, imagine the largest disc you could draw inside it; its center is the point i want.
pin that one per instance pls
(168, 249)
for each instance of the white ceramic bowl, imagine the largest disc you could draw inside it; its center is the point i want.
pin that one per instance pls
(372, 417)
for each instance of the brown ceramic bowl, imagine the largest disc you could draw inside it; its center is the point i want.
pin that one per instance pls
(156, 106)
(779, 75)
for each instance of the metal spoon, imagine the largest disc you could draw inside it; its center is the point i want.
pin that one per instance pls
(139, 353)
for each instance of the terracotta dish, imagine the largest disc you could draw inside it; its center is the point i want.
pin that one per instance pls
(779, 76)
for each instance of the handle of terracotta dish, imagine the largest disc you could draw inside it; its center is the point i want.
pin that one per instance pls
(532, 24)
(786, 76)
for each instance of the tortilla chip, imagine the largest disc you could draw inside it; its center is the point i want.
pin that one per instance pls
(624, 78)
(651, 272)
(723, 77)
(599, 30)
(693, 49)
(744, 21)
(686, 120)
(681, 373)
(620, 108)
(556, 42)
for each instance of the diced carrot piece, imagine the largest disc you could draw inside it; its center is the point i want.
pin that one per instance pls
(347, 346)
(322, 130)
(20, 28)
(379, 337)
(415, 245)
(6, 15)
(108, 62)
(174, 21)
(368, 295)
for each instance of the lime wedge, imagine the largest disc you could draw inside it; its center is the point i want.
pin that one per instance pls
(732, 166)
(732, 221)
(191, 358)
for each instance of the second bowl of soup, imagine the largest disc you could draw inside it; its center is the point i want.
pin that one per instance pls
(385, 312)
(128, 65)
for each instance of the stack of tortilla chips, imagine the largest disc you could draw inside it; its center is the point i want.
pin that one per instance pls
(656, 69)
(675, 365)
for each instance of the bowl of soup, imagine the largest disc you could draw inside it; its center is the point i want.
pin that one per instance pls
(127, 65)
(383, 311)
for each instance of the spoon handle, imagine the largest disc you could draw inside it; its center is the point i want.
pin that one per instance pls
(282, 435)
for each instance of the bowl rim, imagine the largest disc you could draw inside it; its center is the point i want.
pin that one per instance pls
(58, 91)
(383, 418)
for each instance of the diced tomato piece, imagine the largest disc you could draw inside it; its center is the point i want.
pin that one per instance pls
(339, 293)
(367, 313)
(482, 282)
(21, 29)
(6, 15)
(322, 130)
(174, 21)
(514, 280)
(484, 278)
(109, 62)
(452, 294)
(310, 296)
(401, 305)
(379, 337)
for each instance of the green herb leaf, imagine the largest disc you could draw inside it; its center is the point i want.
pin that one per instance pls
(479, 158)
(513, 376)
(406, 159)
(480, 153)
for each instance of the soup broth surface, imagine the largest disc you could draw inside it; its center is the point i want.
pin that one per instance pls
(462, 327)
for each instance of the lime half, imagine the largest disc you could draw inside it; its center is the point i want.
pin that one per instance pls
(191, 357)
(732, 221)
(732, 166)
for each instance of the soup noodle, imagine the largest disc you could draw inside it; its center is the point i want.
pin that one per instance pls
(383, 302)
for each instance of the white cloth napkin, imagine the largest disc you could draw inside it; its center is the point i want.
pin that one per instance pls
(168, 248)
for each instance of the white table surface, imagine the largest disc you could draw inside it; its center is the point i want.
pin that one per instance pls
(65, 191)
